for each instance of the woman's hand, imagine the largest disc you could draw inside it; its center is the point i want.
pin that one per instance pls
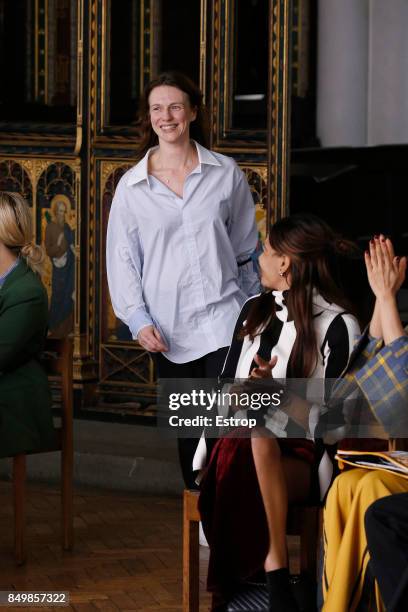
(264, 369)
(149, 337)
(385, 272)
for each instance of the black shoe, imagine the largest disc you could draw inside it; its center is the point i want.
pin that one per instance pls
(281, 598)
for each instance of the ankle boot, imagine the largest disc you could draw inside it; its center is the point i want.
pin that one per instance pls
(281, 598)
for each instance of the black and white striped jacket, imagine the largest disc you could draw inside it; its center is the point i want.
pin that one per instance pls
(336, 332)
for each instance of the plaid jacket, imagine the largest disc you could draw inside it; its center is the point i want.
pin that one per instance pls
(379, 375)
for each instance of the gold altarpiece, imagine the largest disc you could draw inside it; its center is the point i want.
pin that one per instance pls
(68, 133)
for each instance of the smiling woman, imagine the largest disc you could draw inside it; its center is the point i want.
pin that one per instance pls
(180, 237)
(171, 114)
(176, 90)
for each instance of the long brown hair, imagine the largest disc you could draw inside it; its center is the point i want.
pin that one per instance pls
(199, 130)
(314, 250)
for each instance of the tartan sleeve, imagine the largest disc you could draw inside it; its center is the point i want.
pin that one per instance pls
(384, 383)
(344, 393)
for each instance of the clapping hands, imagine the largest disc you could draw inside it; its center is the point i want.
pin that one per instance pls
(385, 271)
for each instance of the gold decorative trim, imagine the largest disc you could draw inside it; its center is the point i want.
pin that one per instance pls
(80, 76)
(145, 9)
(46, 35)
(203, 49)
(35, 167)
(107, 167)
(105, 54)
(89, 323)
(278, 133)
(215, 73)
(229, 27)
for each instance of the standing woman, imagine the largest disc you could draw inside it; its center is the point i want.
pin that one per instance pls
(25, 400)
(180, 236)
(302, 327)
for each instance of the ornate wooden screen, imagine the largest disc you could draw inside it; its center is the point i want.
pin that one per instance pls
(74, 134)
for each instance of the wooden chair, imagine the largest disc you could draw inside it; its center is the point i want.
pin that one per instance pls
(191, 548)
(400, 444)
(57, 359)
(302, 521)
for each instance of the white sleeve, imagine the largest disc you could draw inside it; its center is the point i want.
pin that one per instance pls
(124, 263)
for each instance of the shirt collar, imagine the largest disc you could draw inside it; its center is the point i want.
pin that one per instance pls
(9, 271)
(205, 156)
(319, 305)
(280, 304)
(140, 172)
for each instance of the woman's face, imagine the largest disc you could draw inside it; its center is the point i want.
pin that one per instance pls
(171, 113)
(271, 264)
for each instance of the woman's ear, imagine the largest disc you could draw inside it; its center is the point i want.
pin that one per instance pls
(285, 264)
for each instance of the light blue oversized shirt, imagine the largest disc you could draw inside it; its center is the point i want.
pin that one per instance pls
(172, 262)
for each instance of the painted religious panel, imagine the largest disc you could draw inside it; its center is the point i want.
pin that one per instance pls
(14, 177)
(57, 227)
(256, 177)
(113, 330)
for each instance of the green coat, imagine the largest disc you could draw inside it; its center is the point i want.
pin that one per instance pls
(25, 399)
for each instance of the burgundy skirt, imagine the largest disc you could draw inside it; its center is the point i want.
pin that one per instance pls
(232, 511)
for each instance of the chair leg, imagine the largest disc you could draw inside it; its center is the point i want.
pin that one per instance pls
(19, 494)
(67, 499)
(191, 549)
(309, 541)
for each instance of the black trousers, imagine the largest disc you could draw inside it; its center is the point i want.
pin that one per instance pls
(386, 523)
(208, 366)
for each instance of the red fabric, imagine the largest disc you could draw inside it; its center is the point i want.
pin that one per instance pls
(232, 511)
(363, 444)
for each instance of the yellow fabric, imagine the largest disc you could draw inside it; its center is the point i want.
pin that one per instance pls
(345, 545)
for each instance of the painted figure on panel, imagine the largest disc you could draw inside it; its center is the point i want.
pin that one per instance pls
(60, 247)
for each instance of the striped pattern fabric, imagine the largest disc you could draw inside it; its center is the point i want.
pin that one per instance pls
(335, 334)
(253, 597)
(250, 599)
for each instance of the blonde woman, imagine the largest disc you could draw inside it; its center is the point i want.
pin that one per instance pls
(25, 400)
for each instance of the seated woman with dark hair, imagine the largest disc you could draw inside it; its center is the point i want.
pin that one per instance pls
(25, 400)
(303, 328)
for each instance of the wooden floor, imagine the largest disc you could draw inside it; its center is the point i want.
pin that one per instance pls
(127, 552)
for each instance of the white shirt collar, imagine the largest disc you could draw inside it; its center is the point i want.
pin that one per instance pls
(140, 172)
(281, 308)
(319, 304)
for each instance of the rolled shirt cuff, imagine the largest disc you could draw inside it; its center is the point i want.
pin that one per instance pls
(139, 319)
